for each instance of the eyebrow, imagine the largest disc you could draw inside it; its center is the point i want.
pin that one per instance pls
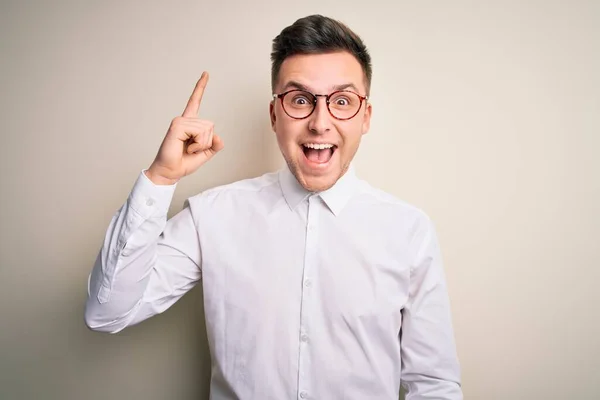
(298, 85)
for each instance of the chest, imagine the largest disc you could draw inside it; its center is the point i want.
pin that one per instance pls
(280, 263)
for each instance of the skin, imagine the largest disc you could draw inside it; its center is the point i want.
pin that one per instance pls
(189, 143)
(320, 74)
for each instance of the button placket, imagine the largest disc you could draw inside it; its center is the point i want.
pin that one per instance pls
(310, 259)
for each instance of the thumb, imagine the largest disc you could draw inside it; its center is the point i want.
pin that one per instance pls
(217, 143)
(199, 158)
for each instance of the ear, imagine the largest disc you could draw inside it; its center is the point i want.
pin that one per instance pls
(367, 118)
(272, 114)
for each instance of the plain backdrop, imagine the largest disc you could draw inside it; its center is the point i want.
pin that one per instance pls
(485, 115)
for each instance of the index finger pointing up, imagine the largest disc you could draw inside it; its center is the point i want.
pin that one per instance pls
(193, 105)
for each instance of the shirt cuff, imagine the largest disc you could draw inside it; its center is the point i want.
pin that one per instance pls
(149, 199)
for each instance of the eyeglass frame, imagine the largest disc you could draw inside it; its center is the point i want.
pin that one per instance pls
(280, 96)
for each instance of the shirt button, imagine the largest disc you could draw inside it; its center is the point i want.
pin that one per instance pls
(303, 395)
(150, 202)
(307, 283)
(304, 338)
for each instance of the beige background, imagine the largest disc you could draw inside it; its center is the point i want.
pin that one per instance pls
(486, 115)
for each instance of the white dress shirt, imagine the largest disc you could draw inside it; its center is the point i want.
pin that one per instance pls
(329, 296)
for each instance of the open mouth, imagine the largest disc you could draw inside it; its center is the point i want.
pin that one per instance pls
(318, 153)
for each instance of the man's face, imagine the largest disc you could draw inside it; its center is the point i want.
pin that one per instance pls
(319, 169)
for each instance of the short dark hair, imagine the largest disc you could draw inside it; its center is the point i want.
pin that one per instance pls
(317, 34)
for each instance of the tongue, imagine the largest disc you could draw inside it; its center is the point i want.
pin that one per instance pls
(320, 156)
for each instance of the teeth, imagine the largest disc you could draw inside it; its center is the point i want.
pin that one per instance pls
(318, 146)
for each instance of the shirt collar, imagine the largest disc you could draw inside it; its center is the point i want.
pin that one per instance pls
(336, 197)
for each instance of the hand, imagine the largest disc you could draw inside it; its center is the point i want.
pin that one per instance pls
(188, 144)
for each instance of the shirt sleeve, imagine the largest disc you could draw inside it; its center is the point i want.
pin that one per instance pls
(430, 367)
(146, 263)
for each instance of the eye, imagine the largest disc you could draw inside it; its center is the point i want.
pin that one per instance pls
(341, 101)
(300, 100)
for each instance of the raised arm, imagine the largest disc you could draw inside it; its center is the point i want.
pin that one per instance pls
(147, 263)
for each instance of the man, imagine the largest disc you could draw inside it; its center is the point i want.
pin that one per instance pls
(316, 285)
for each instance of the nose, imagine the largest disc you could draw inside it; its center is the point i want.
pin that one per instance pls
(320, 120)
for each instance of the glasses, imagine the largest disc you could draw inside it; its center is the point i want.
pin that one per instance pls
(300, 104)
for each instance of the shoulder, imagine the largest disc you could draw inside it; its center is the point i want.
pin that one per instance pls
(404, 221)
(390, 204)
(265, 185)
